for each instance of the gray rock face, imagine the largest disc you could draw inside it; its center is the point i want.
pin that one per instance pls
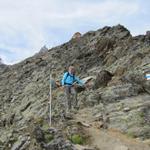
(21, 144)
(24, 87)
(129, 115)
(57, 141)
(39, 134)
(121, 91)
(60, 144)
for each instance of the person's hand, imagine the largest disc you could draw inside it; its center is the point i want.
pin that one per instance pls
(62, 87)
(58, 84)
(87, 86)
(75, 85)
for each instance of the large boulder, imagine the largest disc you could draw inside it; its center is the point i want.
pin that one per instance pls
(120, 92)
(103, 77)
(139, 79)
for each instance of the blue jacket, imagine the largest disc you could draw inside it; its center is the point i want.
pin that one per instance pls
(69, 79)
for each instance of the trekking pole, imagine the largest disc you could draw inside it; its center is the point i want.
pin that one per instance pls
(50, 101)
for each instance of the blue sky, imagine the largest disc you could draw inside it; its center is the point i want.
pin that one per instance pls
(27, 25)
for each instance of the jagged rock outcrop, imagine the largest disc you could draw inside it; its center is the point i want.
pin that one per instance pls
(43, 49)
(1, 63)
(121, 90)
(3, 66)
(76, 35)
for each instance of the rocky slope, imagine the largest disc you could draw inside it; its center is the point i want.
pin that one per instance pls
(118, 97)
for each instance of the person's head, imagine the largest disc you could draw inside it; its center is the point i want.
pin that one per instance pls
(71, 70)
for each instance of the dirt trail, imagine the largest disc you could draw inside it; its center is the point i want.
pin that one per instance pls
(108, 139)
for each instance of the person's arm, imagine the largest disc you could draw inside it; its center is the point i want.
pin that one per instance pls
(79, 81)
(63, 80)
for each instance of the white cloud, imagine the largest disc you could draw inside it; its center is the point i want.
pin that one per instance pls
(27, 25)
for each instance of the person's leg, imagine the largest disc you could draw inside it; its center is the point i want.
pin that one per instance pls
(68, 101)
(74, 93)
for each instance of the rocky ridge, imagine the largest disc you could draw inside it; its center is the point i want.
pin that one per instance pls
(119, 95)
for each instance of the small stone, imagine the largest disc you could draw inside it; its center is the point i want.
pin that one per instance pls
(122, 147)
(126, 109)
(79, 147)
(52, 130)
(83, 124)
(99, 125)
(68, 116)
(99, 117)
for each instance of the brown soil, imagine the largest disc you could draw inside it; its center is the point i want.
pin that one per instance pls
(110, 139)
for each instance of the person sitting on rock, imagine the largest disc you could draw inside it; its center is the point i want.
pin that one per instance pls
(69, 83)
